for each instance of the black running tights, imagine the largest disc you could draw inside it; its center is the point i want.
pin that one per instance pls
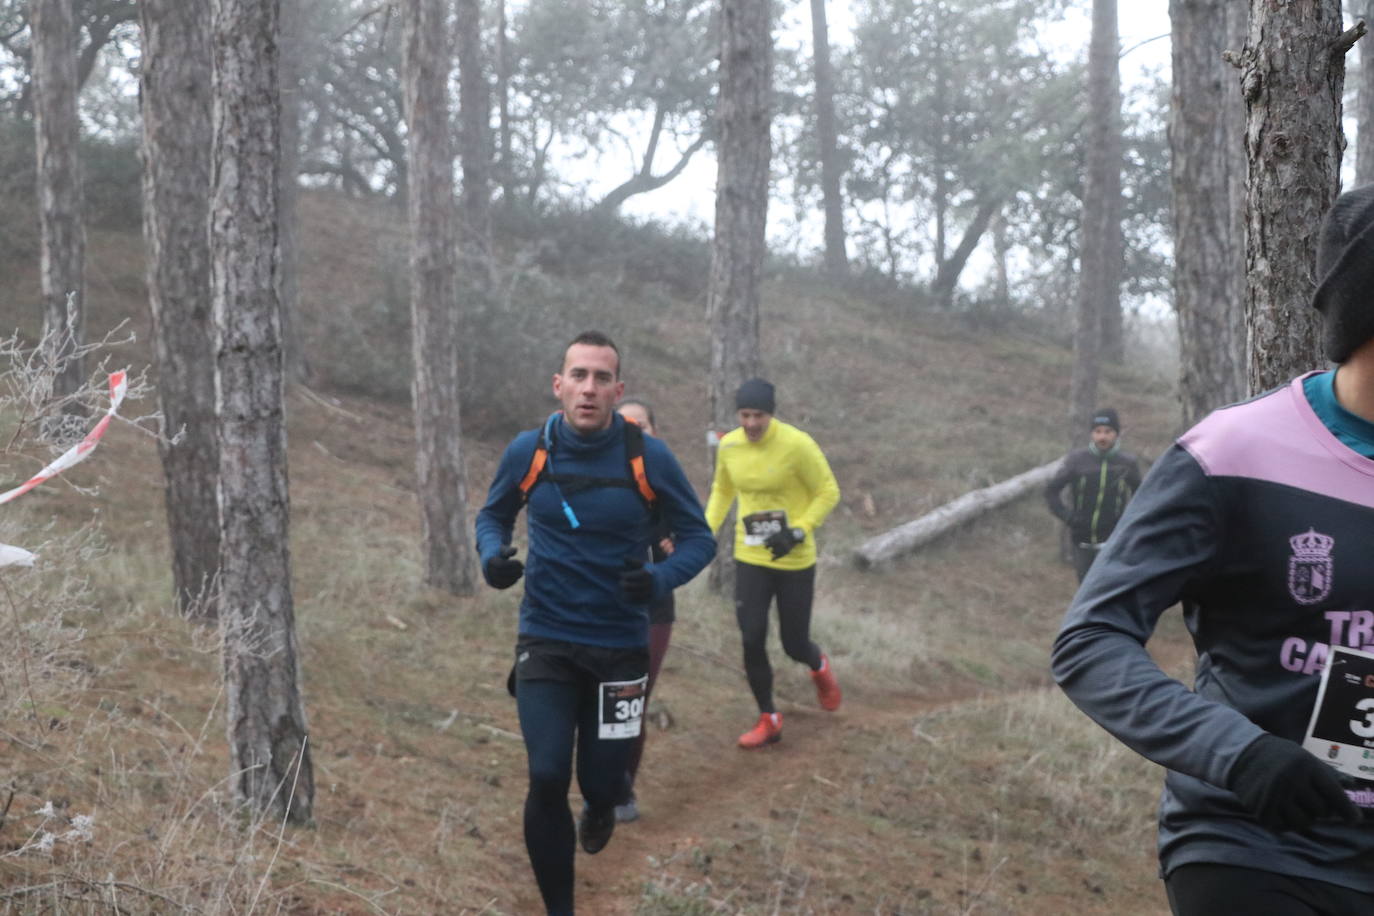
(1205, 889)
(755, 589)
(552, 714)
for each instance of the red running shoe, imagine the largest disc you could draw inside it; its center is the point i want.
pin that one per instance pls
(827, 688)
(768, 731)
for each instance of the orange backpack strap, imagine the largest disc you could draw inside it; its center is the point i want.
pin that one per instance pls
(634, 452)
(539, 459)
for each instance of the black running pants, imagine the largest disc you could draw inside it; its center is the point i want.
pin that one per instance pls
(1204, 889)
(755, 589)
(552, 715)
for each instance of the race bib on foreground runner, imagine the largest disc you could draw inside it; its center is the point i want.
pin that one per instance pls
(1342, 728)
(622, 708)
(759, 526)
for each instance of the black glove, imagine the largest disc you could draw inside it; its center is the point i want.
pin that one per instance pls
(636, 582)
(1287, 787)
(782, 541)
(502, 571)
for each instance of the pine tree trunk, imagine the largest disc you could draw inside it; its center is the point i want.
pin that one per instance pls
(836, 260)
(474, 107)
(268, 738)
(440, 482)
(175, 100)
(1292, 75)
(1364, 110)
(507, 173)
(1207, 144)
(288, 194)
(738, 249)
(62, 231)
(1097, 333)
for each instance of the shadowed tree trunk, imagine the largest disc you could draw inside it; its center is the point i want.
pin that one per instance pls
(836, 260)
(175, 107)
(62, 232)
(1364, 105)
(288, 194)
(474, 107)
(738, 249)
(506, 166)
(441, 484)
(1097, 334)
(1207, 145)
(268, 740)
(1292, 76)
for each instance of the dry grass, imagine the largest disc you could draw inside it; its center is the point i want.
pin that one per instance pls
(952, 782)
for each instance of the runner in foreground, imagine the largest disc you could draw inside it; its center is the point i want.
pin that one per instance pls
(785, 491)
(1260, 519)
(593, 484)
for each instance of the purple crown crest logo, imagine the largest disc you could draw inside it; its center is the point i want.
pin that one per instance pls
(1310, 566)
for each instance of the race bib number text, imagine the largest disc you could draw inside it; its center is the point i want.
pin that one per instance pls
(622, 708)
(759, 526)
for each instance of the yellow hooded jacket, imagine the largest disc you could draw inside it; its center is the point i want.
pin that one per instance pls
(784, 472)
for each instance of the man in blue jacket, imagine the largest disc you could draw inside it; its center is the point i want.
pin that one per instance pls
(595, 488)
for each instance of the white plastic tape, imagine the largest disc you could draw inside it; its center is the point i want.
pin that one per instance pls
(119, 386)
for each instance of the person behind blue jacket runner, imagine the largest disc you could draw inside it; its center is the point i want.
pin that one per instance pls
(582, 654)
(1259, 520)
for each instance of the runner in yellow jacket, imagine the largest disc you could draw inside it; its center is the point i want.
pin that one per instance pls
(785, 490)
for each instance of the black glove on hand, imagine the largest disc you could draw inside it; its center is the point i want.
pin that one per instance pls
(780, 543)
(1286, 787)
(502, 571)
(636, 582)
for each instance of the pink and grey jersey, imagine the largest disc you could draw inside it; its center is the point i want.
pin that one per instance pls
(1261, 522)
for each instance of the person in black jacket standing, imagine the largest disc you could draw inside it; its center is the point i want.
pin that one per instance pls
(1102, 478)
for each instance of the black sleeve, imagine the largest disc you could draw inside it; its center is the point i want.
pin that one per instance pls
(1167, 540)
(1054, 490)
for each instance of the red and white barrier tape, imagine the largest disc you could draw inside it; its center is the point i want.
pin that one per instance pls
(119, 386)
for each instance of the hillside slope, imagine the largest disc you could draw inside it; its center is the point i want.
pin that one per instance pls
(954, 779)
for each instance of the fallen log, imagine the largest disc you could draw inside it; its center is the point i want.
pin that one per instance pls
(914, 534)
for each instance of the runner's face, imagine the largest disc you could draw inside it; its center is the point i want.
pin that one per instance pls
(755, 422)
(1104, 437)
(636, 413)
(588, 386)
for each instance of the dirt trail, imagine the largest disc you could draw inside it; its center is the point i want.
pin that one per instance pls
(697, 786)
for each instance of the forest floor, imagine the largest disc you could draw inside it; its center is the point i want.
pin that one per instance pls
(954, 779)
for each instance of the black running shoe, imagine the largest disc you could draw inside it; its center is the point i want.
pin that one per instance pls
(594, 830)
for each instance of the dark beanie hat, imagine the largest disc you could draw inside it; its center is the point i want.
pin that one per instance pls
(1105, 416)
(1345, 273)
(755, 394)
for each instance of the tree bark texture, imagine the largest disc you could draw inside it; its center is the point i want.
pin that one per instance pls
(288, 192)
(62, 230)
(1097, 333)
(907, 538)
(268, 737)
(440, 479)
(1292, 75)
(504, 154)
(1364, 104)
(474, 108)
(738, 249)
(1207, 146)
(836, 259)
(175, 99)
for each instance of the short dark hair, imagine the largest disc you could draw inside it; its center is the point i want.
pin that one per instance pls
(639, 402)
(594, 339)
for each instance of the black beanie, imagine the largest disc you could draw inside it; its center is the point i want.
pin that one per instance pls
(1105, 416)
(755, 394)
(1345, 273)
